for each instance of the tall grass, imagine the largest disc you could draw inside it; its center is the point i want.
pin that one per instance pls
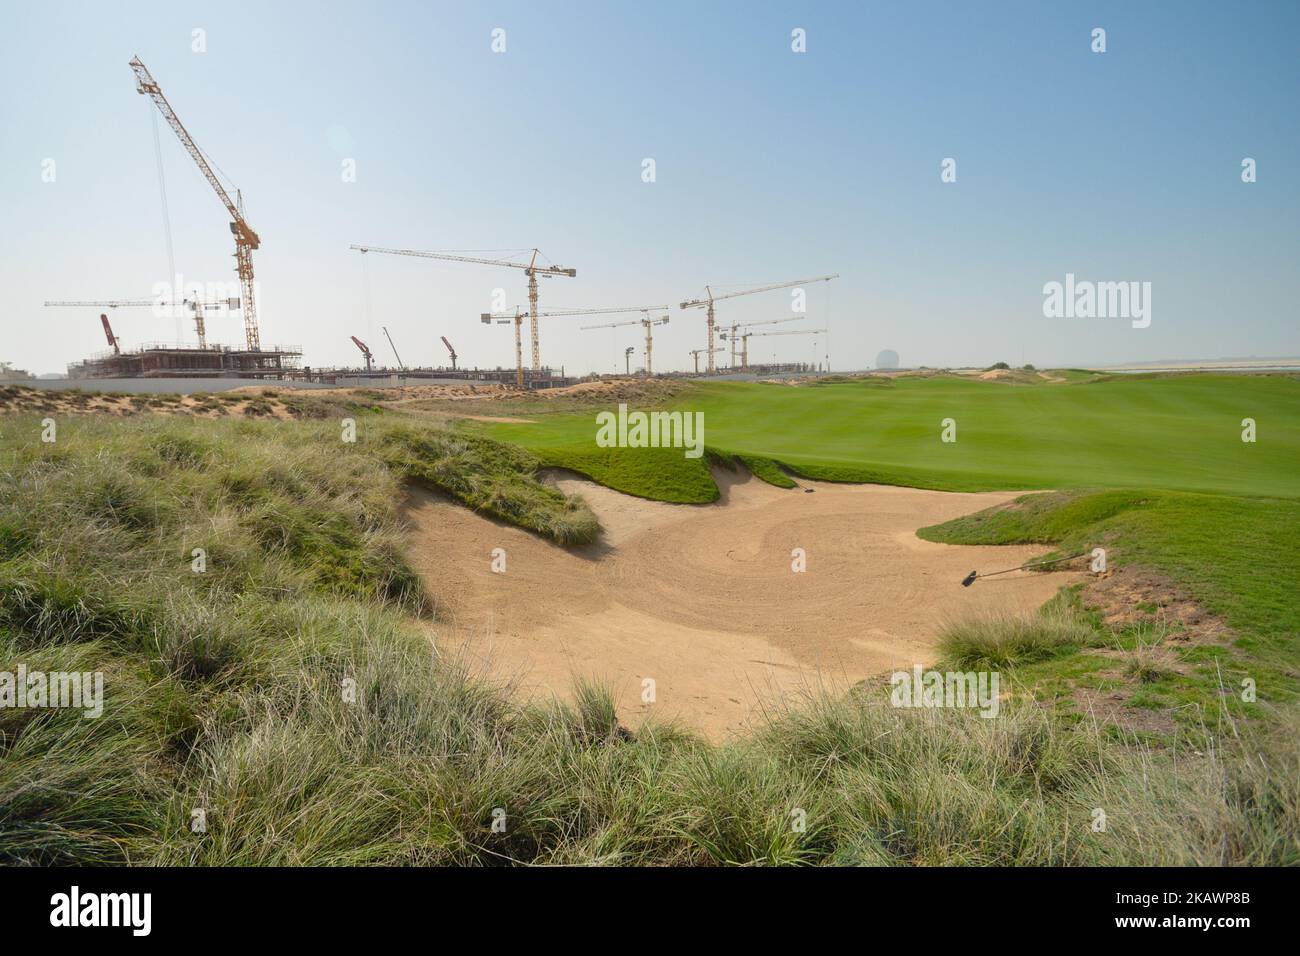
(290, 705)
(996, 640)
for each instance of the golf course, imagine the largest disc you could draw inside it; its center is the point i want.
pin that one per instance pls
(1153, 467)
(1179, 433)
(493, 590)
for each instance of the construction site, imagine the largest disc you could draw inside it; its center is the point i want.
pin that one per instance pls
(159, 360)
(253, 360)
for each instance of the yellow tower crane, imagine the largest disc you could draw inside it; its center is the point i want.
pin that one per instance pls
(503, 318)
(734, 334)
(648, 324)
(696, 353)
(531, 269)
(193, 305)
(709, 299)
(487, 318)
(246, 240)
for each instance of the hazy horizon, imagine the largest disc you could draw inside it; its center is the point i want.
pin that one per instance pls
(770, 165)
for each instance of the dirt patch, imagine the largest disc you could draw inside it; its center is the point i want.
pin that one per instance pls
(611, 390)
(402, 395)
(250, 403)
(1110, 707)
(505, 419)
(1127, 596)
(1159, 656)
(702, 601)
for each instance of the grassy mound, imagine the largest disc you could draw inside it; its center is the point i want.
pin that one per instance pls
(490, 477)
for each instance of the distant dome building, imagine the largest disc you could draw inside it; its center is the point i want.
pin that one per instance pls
(887, 359)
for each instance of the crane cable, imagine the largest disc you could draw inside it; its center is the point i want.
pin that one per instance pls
(826, 321)
(365, 299)
(167, 224)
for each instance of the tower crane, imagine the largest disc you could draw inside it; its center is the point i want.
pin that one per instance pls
(645, 321)
(502, 318)
(193, 305)
(745, 349)
(531, 269)
(452, 351)
(246, 240)
(487, 318)
(696, 353)
(365, 351)
(709, 299)
(734, 333)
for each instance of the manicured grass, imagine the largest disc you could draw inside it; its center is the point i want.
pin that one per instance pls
(661, 474)
(1174, 432)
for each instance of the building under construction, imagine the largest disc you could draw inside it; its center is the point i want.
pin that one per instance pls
(158, 360)
(532, 378)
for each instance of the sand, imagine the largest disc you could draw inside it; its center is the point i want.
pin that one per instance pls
(702, 600)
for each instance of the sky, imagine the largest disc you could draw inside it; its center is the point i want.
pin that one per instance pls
(769, 165)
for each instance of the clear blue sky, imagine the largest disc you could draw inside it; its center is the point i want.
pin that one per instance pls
(771, 165)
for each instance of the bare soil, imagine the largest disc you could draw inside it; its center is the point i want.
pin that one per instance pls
(1134, 595)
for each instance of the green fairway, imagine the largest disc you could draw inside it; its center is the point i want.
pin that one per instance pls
(1176, 432)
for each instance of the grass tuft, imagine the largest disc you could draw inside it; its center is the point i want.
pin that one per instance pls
(1006, 640)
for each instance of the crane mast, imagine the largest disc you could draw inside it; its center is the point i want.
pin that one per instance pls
(647, 322)
(246, 240)
(518, 318)
(695, 354)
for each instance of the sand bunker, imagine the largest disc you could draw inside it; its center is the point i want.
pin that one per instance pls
(702, 599)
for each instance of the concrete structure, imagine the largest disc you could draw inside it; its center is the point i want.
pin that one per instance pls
(187, 361)
(349, 377)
